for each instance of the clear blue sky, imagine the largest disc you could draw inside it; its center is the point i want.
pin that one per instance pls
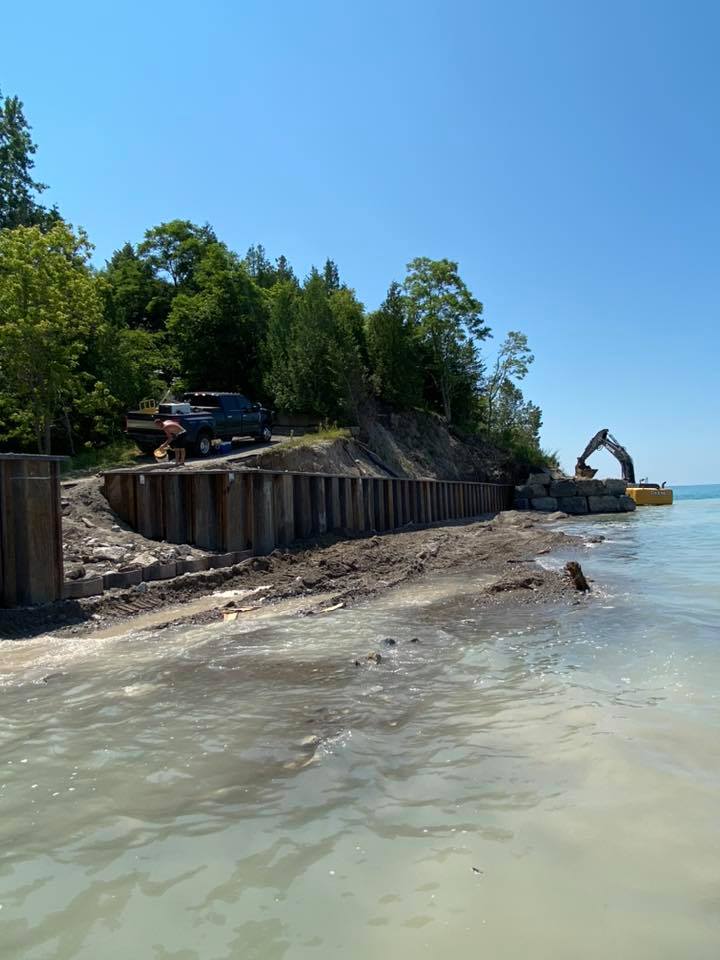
(567, 154)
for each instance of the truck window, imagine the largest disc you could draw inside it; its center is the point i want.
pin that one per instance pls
(202, 400)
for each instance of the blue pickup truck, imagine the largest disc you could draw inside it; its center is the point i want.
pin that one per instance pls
(206, 416)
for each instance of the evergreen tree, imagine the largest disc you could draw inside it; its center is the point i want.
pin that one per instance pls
(18, 190)
(259, 267)
(393, 352)
(331, 275)
(283, 270)
(282, 318)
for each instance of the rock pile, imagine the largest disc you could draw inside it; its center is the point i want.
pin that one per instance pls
(549, 492)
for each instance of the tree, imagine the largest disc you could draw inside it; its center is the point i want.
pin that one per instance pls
(176, 249)
(136, 297)
(347, 353)
(49, 305)
(219, 330)
(511, 364)
(331, 275)
(393, 354)
(283, 270)
(282, 319)
(309, 375)
(447, 318)
(18, 189)
(259, 267)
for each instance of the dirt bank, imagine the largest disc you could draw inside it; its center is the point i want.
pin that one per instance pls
(317, 577)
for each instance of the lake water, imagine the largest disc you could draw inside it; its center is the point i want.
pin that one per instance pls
(543, 785)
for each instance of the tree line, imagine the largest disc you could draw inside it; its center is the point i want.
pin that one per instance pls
(179, 309)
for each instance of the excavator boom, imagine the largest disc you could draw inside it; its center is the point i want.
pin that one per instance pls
(603, 438)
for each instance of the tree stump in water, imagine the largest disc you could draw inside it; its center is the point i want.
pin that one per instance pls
(574, 571)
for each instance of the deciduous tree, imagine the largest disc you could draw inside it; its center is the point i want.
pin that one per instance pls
(448, 321)
(49, 305)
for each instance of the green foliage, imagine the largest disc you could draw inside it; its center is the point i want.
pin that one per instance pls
(394, 353)
(78, 348)
(447, 318)
(136, 296)
(90, 458)
(218, 330)
(176, 249)
(18, 204)
(511, 364)
(49, 306)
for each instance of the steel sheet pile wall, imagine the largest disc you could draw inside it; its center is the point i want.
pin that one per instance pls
(259, 510)
(31, 557)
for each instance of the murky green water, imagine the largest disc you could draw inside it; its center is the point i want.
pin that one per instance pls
(157, 799)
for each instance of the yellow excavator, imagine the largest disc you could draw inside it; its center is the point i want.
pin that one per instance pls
(643, 493)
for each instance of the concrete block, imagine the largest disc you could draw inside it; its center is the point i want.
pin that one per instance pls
(563, 488)
(194, 565)
(604, 504)
(218, 560)
(573, 505)
(544, 503)
(125, 578)
(627, 504)
(615, 488)
(160, 571)
(77, 589)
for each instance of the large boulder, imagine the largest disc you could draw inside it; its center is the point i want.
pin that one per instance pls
(522, 503)
(627, 504)
(544, 503)
(573, 505)
(604, 504)
(590, 488)
(615, 488)
(563, 488)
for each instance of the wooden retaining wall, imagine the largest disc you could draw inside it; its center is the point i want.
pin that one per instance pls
(31, 556)
(259, 510)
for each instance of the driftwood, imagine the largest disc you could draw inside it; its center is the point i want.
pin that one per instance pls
(574, 571)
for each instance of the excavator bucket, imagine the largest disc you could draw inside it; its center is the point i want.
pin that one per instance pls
(584, 472)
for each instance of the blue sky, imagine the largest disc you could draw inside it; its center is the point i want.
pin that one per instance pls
(565, 153)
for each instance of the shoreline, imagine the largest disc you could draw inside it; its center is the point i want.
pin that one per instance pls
(322, 575)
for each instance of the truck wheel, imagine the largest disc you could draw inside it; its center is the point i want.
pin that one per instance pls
(265, 434)
(203, 444)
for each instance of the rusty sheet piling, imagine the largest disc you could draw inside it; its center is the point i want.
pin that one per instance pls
(259, 510)
(31, 557)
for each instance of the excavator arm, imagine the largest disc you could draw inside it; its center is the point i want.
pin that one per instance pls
(603, 438)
